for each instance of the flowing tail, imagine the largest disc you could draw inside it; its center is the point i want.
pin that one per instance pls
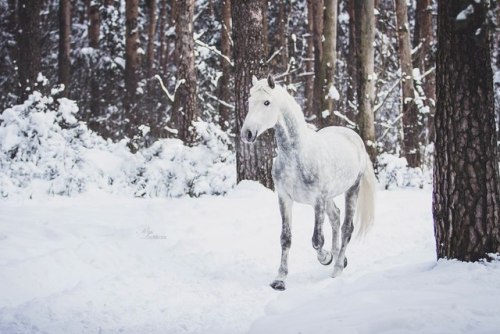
(365, 207)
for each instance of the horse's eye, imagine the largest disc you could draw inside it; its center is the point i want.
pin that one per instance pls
(266, 103)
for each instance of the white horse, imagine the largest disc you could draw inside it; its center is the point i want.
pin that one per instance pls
(312, 168)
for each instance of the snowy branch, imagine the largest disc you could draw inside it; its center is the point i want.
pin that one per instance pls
(277, 52)
(306, 74)
(171, 97)
(288, 70)
(200, 11)
(224, 103)
(417, 48)
(389, 126)
(344, 117)
(429, 71)
(387, 93)
(214, 50)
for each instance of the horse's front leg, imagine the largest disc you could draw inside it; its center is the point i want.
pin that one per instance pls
(318, 240)
(285, 203)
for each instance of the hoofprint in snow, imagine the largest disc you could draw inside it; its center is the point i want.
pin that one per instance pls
(100, 263)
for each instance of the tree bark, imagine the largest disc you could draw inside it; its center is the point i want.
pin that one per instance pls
(131, 66)
(253, 162)
(150, 53)
(64, 62)
(309, 63)
(317, 10)
(224, 81)
(94, 37)
(411, 126)
(466, 196)
(12, 29)
(94, 25)
(265, 27)
(12, 5)
(365, 34)
(424, 58)
(184, 110)
(28, 46)
(351, 110)
(326, 76)
(281, 39)
(162, 55)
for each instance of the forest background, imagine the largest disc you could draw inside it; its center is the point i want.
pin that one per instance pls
(150, 95)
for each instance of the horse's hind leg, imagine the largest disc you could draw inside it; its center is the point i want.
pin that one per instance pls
(351, 198)
(334, 217)
(286, 241)
(318, 240)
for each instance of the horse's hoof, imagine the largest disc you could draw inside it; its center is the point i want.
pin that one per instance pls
(337, 271)
(327, 259)
(278, 285)
(345, 262)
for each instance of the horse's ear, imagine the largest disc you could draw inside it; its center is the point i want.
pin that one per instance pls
(270, 81)
(254, 80)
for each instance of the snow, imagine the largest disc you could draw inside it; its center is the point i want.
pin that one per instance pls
(464, 14)
(44, 151)
(105, 263)
(394, 172)
(333, 93)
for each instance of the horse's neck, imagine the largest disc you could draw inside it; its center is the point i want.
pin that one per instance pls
(291, 129)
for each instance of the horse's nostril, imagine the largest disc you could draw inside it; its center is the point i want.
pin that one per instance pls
(249, 135)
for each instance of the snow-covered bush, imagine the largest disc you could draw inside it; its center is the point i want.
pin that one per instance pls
(393, 171)
(44, 149)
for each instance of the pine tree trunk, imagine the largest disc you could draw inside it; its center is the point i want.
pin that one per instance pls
(171, 38)
(12, 24)
(162, 54)
(365, 34)
(281, 39)
(150, 54)
(184, 110)
(309, 62)
(265, 27)
(466, 197)
(131, 67)
(327, 72)
(224, 81)
(94, 32)
(424, 60)
(12, 58)
(167, 20)
(351, 110)
(254, 162)
(28, 46)
(317, 10)
(497, 46)
(411, 126)
(64, 62)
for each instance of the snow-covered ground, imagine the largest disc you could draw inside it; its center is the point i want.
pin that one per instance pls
(98, 263)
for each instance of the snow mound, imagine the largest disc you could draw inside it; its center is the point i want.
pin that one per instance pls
(45, 150)
(393, 172)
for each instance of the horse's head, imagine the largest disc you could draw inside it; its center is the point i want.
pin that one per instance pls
(263, 111)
